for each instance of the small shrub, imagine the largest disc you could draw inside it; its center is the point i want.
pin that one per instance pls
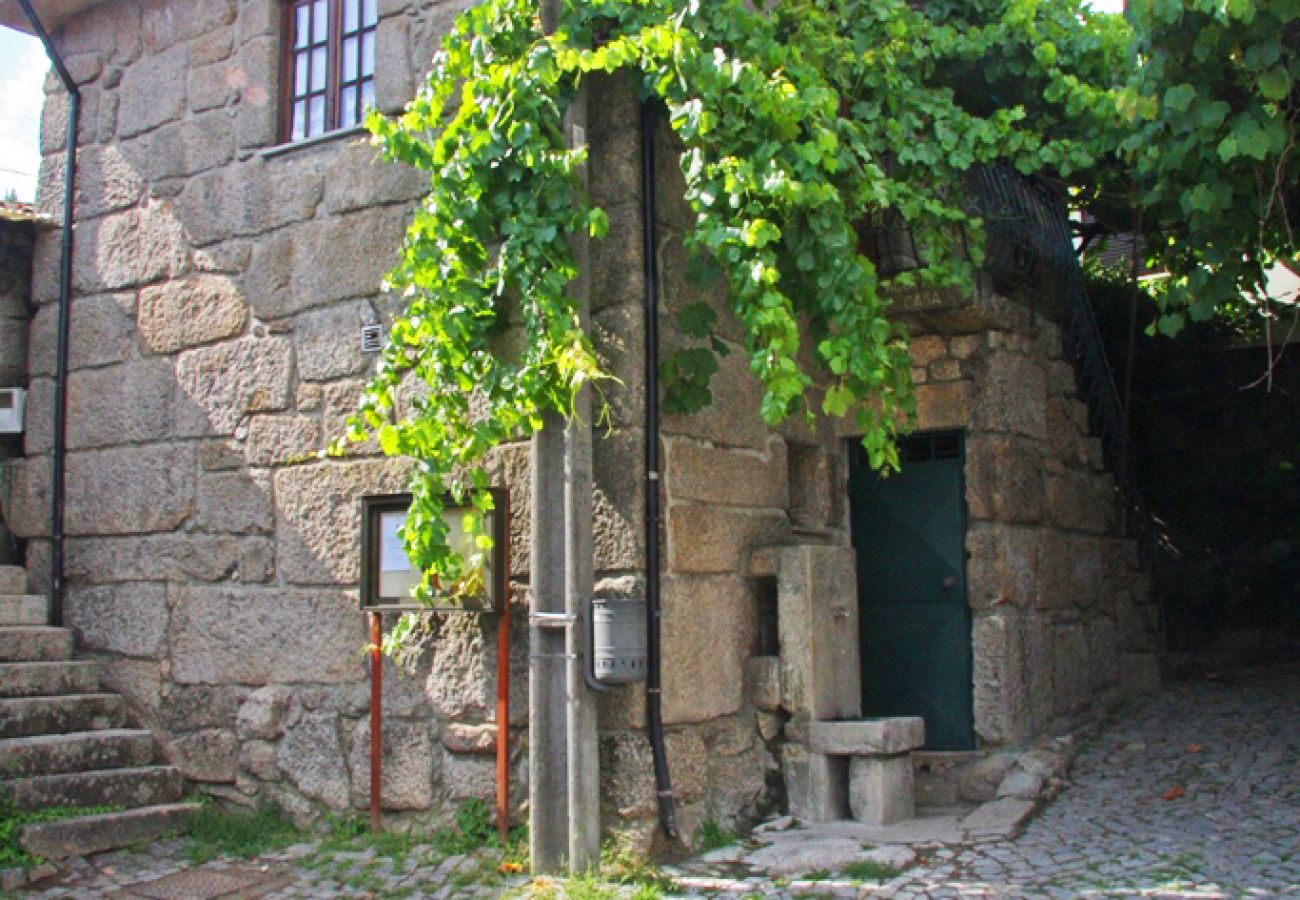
(713, 836)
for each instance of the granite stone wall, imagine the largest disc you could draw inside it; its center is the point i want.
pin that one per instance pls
(220, 282)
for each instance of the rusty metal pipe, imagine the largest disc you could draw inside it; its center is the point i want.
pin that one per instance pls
(376, 720)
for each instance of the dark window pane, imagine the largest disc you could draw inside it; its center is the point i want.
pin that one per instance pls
(349, 60)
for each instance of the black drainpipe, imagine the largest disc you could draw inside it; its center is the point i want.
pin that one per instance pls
(61, 350)
(654, 697)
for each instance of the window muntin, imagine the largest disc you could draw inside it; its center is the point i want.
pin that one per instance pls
(330, 53)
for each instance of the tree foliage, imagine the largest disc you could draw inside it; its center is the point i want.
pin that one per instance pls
(798, 123)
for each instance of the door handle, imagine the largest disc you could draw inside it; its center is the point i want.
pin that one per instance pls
(950, 582)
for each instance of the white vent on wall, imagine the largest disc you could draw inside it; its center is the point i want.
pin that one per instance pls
(12, 401)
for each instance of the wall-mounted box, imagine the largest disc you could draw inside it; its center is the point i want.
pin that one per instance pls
(12, 403)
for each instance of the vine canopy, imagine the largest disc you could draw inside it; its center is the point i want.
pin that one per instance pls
(800, 124)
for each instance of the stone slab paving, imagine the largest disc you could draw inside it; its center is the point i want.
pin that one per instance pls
(1194, 794)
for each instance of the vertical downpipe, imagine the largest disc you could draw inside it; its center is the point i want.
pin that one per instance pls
(61, 350)
(654, 696)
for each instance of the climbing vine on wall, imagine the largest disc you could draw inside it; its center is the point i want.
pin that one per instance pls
(800, 124)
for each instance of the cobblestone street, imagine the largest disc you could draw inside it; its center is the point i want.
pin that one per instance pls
(1194, 794)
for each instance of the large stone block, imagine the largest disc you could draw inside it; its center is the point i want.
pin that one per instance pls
(468, 777)
(196, 310)
(1103, 654)
(243, 635)
(395, 79)
(1001, 697)
(627, 772)
(169, 557)
(129, 490)
(1004, 478)
(1071, 682)
(358, 179)
(1011, 396)
(732, 419)
(1002, 565)
(195, 707)
(311, 758)
(1082, 501)
(257, 121)
(208, 756)
(618, 338)
(107, 181)
(704, 538)
(708, 633)
(275, 440)
(101, 332)
(261, 716)
(130, 619)
(235, 503)
(730, 477)
(457, 685)
(406, 770)
(818, 616)
(329, 341)
(618, 502)
(169, 22)
(943, 405)
(140, 408)
(132, 248)
(1070, 569)
(318, 521)
(286, 274)
(222, 383)
(817, 785)
(1040, 670)
(251, 198)
(153, 91)
(615, 145)
(881, 790)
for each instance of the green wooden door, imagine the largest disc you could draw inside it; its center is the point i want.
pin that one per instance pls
(909, 531)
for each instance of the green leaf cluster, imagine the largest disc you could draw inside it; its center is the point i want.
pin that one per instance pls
(803, 125)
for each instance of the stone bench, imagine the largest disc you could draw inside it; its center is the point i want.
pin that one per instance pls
(881, 791)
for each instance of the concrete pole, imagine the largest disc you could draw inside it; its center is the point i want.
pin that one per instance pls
(583, 749)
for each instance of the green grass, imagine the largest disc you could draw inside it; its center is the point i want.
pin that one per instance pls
(12, 820)
(868, 870)
(713, 836)
(214, 831)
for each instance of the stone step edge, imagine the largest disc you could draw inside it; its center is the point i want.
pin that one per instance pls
(86, 738)
(12, 787)
(14, 706)
(9, 670)
(84, 835)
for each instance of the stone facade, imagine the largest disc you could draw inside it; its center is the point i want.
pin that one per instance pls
(212, 556)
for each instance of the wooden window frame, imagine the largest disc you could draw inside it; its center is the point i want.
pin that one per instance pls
(334, 84)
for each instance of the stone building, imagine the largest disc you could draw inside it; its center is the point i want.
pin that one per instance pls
(230, 241)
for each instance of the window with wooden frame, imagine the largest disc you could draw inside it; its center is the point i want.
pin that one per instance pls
(329, 62)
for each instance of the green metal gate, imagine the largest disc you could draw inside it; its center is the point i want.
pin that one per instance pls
(909, 531)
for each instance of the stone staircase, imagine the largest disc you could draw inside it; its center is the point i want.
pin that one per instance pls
(64, 742)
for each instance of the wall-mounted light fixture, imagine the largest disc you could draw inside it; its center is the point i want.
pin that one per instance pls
(387, 576)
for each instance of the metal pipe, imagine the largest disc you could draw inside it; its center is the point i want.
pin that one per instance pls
(376, 721)
(55, 607)
(503, 677)
(654, 697)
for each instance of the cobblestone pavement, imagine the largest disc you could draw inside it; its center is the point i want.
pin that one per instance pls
(1195, 794)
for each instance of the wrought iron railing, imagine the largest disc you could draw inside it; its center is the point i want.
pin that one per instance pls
(1028, 244)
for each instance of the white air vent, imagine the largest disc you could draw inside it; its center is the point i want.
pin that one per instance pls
(372, 338)
(12, 401)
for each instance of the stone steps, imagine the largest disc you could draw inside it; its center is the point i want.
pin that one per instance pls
(27, 716)
(42, 679)
(35, 643)
(64, 742)
(22, 609)
(50, 754)
(13, 580)
(132, 788)
(106, 831)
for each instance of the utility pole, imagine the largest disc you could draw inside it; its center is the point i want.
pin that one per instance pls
(563, 763)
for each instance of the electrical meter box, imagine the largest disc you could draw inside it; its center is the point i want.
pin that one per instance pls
(12, 401)
(618, 637)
